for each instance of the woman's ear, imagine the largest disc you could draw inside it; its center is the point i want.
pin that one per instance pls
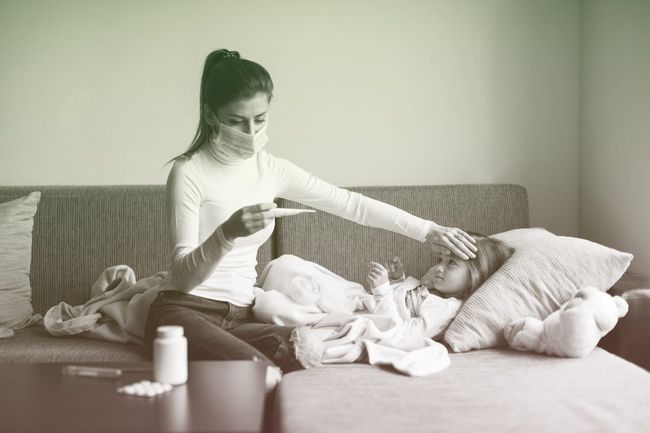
(209, 116)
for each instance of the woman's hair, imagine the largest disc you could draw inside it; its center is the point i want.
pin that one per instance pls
(491, 254)
(226, 77)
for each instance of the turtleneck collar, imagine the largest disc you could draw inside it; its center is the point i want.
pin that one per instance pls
(217, 151)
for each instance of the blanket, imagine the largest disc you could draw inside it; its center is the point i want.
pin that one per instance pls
(352, 325)
(117, 310)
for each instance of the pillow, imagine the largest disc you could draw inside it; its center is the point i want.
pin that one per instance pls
(16, 222)
(543, 273)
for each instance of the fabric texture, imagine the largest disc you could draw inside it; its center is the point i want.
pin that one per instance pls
(35, 344)
(543, 273)
(487, 391)
(16, 223)
(349, 324)
(117, 310)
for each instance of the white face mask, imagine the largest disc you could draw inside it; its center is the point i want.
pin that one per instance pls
(233, 143)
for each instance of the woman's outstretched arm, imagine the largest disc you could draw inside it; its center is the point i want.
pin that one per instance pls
(298, 185)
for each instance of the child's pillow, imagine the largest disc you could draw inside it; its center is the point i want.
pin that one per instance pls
(543, 273)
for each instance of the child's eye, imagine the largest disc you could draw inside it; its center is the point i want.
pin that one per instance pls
(260, 120)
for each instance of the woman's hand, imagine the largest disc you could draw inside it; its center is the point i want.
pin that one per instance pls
(450, 240)
(377, 275)
(247, 220)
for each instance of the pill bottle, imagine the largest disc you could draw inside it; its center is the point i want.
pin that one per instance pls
(170, 355)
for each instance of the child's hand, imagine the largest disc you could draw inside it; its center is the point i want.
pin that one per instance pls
(395, 269)
(377, 275)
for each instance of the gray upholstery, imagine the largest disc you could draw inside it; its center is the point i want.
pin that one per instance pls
(35, 344)
(488, 391)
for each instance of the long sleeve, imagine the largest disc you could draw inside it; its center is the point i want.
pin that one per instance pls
(298, 185)
(191, 261)
(431, 314)
(385, 304)
(416, 312)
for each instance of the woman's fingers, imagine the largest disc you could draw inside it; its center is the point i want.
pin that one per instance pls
(460, 249)
(260, 207)
(450, 240)
(461, 244)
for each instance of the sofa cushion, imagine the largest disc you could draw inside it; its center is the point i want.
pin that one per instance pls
(16, 223)
(496, 390)
(35, 344)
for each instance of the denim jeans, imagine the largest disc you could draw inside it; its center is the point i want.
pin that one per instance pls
(220, 330)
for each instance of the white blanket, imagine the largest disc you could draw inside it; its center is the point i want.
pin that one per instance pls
(341, 322)
(117, 310)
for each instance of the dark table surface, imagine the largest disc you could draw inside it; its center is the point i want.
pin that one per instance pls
(220, 396)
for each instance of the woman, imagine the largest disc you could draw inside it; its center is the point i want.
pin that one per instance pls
(218, 196)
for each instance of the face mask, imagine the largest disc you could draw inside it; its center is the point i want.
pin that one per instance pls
(235, 144)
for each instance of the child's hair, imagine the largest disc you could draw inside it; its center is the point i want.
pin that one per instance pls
(226, 77)
(491, 254)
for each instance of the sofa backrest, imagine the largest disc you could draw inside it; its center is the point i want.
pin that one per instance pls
(346, 248)
(81, 230)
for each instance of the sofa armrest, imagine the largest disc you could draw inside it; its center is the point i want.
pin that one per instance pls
(630, 339)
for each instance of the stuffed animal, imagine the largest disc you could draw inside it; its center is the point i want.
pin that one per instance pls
(572, 331)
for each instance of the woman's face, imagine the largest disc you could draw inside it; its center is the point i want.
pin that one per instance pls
(247, 115)
(451, 275)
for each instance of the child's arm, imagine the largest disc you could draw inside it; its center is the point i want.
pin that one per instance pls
(379, 283)
(433, 316)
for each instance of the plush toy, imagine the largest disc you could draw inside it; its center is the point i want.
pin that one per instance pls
(572, 331)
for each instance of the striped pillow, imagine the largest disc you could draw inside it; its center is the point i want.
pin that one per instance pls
(543, 273)
(16, 223)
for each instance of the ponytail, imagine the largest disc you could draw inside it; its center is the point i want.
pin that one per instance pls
(226, 77)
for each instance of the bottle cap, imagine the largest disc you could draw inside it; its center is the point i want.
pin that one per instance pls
(169, 331)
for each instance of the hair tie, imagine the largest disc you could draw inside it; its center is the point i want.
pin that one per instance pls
(230, 55)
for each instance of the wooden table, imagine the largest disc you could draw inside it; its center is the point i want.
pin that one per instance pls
(220, 396)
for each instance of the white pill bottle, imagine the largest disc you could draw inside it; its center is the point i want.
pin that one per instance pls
(170, 355)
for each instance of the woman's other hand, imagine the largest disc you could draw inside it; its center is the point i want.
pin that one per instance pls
(450, 240)
(377, 275)
(247, 220)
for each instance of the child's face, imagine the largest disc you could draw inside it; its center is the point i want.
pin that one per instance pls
(451, 275)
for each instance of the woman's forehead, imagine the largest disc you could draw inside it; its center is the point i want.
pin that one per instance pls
(246, 107)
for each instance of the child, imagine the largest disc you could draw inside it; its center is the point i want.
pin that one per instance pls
(340, 318)
(299, 292)
(427, 307)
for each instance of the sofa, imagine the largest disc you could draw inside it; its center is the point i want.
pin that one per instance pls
(81, 230)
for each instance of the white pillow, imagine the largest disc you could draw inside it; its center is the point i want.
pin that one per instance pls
(16, 223)
(543, 273)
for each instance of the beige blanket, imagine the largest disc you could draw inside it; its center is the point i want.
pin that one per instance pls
(339, 322)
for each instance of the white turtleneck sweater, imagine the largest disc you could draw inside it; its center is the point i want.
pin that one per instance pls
(203, 191)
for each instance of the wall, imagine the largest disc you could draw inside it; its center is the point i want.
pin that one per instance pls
(367, 92)
(615, 174)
